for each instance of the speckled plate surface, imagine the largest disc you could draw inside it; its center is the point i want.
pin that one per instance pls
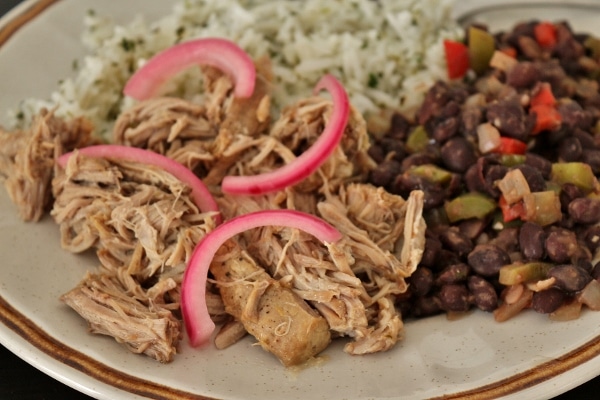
(528, 357)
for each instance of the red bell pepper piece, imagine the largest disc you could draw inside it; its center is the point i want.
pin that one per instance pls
(545, 34)
(547, 117)
(511, 212)
(457, 58)
(542, 94)
(511, 146)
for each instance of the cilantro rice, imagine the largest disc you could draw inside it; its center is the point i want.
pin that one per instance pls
(386, 53)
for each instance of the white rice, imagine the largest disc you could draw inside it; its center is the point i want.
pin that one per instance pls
(385, 52)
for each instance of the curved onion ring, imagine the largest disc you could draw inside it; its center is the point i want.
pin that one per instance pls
(199, 325)
(219, 53)
(310, 160)
(200, 193)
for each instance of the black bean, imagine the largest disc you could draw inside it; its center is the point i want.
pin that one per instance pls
(377, 153)
(454, 298)
(432, 249)
(507, 239)
(592, 158)
(385, 173)
(492, 175)
(560, 245)
(540, 163)
(394, 148)
(509, 117)
(569, 277)
(531, 241)
(523, 74)
(399, 126)
(484, 294)
(443, 129)
(596, 271)
(568, 193)
(472, 228)
(417, 159)
(574, 116)
(591, 238)
(426, 306)
(434, 194)
(421, 281)
(529, 47)
(455, 241)
(570, 149)
(458, 154)
(585, 210)
(534, 178)
(435, 98)
(454, 273)
(547, 301)
(487, 259)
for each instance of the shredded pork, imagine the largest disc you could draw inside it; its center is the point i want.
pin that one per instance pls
(291, 292)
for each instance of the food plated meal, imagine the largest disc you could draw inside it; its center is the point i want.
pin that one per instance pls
(328, 364)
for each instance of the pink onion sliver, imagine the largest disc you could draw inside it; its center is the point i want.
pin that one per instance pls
(219, 53)
(198, 323)
(310, 160)
(200, 193)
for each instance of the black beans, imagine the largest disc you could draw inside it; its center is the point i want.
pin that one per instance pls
(585, 210)
(454, 240)
(548, 300)
(531, 241)
(421, 281)
(570, 278)
(560, 245)
(486, 259)
(510, 118)
(458, 154)
(454, 273)
(484, 294)
(454, 298)
(461, 259)
(523, 74)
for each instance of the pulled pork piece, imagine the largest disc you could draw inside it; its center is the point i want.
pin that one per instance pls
(384, 242)
(195, 134)
(27, 159)
(269, 310)
(386, 236)
(137, 216)
(119, 308)
(297, 129)
(144, 227)
(301, 124)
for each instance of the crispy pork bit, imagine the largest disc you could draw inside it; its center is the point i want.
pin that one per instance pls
(279, 319)
(143, 225)
(27, 160)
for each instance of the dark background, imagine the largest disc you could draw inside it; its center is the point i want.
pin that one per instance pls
(19, 380)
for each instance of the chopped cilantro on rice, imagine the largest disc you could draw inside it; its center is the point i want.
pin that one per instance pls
(386, 53)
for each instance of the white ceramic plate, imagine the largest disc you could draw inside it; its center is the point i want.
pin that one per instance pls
(527, 357)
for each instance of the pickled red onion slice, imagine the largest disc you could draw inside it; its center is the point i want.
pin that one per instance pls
(199, 325)
(200, 193)
(216, 52)
(310, 160)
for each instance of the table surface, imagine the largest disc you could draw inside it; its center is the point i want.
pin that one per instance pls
(19, 380)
